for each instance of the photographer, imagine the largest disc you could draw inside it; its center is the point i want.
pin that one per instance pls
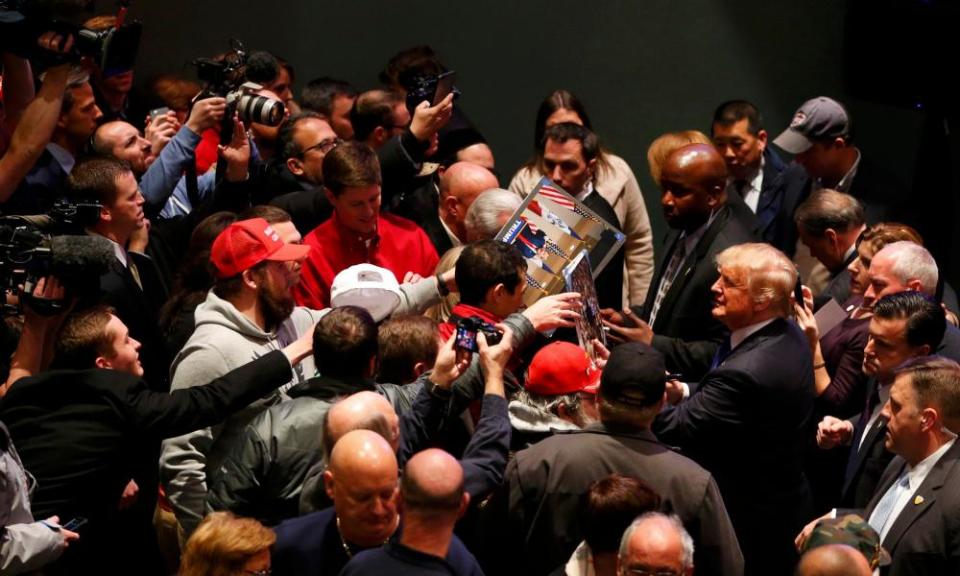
(73, 122)
(160, 161)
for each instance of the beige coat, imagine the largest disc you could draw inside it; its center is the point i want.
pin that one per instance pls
(619, 187)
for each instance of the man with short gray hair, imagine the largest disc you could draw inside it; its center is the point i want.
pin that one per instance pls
(656, 544)
(745, 420)
(488, 213)
(829, 223)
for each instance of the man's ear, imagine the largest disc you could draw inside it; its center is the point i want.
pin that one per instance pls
(419, 368)
(929, 417)
(831, 235)
(464, 504)
(915, 284)
(380, 135)
(451, 204)
(328, 483)
(592, 168)
(105, 214)
(102, 362)
(924, 350)
(295, 166)
(248, 279)
(762, 139)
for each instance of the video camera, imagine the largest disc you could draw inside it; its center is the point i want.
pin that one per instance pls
(31, 247)
(114, 49)
(226, 76)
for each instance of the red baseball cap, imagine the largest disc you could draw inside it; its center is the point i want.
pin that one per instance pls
(561, 368)
(244, 244)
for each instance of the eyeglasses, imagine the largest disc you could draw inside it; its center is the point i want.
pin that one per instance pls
(264, 572)
(324, 146)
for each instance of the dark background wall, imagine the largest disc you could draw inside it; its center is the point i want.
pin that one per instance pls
(643, 67)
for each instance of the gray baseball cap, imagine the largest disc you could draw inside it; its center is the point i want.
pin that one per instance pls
(821, 118)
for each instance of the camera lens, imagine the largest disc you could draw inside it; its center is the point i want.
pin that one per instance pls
(260, 109)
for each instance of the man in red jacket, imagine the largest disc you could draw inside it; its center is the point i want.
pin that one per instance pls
(357, 232)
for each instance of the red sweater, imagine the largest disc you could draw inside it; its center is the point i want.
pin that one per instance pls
(399, 246)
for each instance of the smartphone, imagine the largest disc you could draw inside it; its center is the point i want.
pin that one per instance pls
(798, 293)
(75, 524)
(444, 86)
(466, 338)
(158, 112)
(675, 376)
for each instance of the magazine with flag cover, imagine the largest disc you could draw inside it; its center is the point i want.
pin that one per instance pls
(551, 228)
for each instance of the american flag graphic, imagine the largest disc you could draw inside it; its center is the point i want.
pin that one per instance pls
(532, 282)
(558, 197)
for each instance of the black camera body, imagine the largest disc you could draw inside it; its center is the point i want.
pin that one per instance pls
(467, 329)
(226, 77)
(114, 50)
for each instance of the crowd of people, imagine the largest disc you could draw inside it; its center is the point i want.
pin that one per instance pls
(261, 373)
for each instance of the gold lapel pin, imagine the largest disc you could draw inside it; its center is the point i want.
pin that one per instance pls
(918, 500)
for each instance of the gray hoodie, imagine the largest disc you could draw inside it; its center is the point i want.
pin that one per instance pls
(225, 339)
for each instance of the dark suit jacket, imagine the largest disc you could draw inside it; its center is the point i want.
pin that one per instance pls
(925, 536)
(782, 189)
(83, 434)
(838, 288)
(139, 309)
(950, 345)
(422, 205)
(41, 187)
(685, 331)
(747, 423)
(866, 462)
(307, 208)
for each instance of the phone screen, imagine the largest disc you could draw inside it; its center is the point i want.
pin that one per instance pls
(466, 339)
(75, 524)
(444, 86)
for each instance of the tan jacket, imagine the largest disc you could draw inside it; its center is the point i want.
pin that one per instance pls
(619, 187)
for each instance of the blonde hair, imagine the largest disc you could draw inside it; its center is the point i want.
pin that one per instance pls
(441, 311)
(665, 144)
(222, 544)
(770, 275)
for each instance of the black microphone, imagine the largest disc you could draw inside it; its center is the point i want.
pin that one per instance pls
(72, 256)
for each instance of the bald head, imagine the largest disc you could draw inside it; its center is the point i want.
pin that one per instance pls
(701, 159)
(363, 410)
(432, 485)
(656, 542)
(479, 154)
(834, 560)
(361, 479)
(460, 185)
(692, 183)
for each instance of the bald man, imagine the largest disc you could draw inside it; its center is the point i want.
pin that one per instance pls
(656, 544)
(834, 560)
(432, 499)
(676, 318)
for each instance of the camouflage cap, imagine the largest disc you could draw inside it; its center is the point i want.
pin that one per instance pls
(853, 531)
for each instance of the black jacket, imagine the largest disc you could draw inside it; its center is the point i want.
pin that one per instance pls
(685, 331)
(84, 434)
(747, 423)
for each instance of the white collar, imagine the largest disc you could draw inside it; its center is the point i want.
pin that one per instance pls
(741, 334)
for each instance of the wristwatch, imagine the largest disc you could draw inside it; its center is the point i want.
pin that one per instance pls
(442, 286)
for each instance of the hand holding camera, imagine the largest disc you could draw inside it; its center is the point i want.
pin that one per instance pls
(206, 114)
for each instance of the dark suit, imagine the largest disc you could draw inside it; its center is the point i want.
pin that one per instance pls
(307, 208)
(543, 485)
(782, 188)
(747, 423)
(838, 287)
(84, 433)
(40, 188)
(868, 459)
(139, 309)
(925, 537)
(685, 331)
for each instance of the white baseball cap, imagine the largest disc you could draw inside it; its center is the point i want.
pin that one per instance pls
(370, 287)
